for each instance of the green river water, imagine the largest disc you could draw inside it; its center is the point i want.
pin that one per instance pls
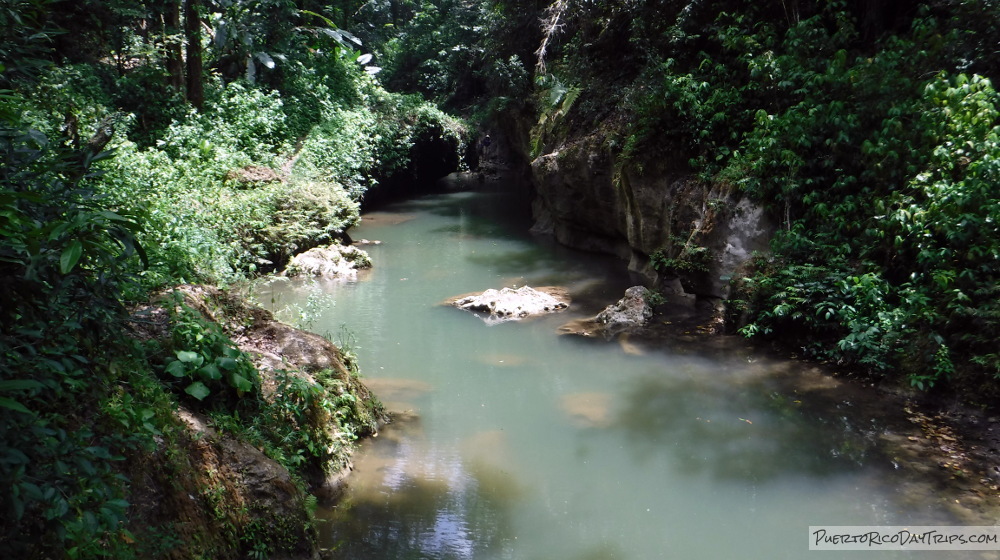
(513, 441)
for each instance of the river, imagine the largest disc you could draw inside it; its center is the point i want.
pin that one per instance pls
(513, 441)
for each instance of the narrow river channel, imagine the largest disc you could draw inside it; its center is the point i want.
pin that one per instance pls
(513, 441)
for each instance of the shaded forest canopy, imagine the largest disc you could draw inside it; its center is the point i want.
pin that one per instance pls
(151, 144)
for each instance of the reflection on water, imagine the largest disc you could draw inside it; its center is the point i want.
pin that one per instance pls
(408, 500)
(512, 442)
(529, 259)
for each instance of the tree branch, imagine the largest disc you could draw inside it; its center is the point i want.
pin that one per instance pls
(551, 25)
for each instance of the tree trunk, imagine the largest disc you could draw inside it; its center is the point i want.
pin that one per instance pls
(174, 52)
(791, 12)
(192, 32)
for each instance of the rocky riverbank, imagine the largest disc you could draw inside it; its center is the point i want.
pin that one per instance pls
(221, 485)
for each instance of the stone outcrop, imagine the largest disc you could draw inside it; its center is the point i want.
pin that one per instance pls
(222, 496)
(233, 484)
(589, 200)
(253, 175)
(508, 304)
(630, 312)
(333, 261)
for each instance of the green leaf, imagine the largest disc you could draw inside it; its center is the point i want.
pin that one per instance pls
(15, 457)
(112, 216)
(177, 368)
(13, 405)
(20, 384)
(325, 19)
(117, 504)
(227, 363)
(70, 256)
(198, 390)
(59, 509)
(189, 357)
(99, 452)
(32, 491)
(210, 372)
(241, 383)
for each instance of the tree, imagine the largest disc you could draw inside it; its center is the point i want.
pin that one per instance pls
(192, 32)
(173, 48)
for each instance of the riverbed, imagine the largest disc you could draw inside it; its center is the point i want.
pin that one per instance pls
(511, 440)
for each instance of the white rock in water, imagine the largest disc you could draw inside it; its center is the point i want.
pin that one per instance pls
(334, 261)
(509, 303)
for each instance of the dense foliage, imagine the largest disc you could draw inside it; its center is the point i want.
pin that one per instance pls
(147, 144)
(150, 144)
(470, 56)
(869, 131)
(60, 349)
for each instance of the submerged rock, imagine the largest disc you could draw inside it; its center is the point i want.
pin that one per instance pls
(508, 304)
(334, 261)
(587, 410)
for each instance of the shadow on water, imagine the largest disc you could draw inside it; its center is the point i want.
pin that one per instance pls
(503, 216)
(509, 212)
(742, 431)
(473, 229)
(511, 262)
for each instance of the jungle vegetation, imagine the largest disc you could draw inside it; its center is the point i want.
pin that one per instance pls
(146, 145)
(149, 144)
(868, 129)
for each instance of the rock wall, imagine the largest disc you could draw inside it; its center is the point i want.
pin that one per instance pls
(589, 200)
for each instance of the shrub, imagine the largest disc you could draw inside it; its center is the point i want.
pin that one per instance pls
(62, 273)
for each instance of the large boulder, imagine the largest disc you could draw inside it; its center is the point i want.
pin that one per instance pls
(629, 314)
(216, 490)
(333, 261)
(632, 311)
(507, 304)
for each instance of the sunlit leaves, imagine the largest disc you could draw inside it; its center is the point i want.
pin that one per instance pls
(207, 362)
(938, 221)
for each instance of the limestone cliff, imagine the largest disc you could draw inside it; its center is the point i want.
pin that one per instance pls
(675, 231)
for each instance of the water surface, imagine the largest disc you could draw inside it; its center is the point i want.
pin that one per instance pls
(511, 441)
